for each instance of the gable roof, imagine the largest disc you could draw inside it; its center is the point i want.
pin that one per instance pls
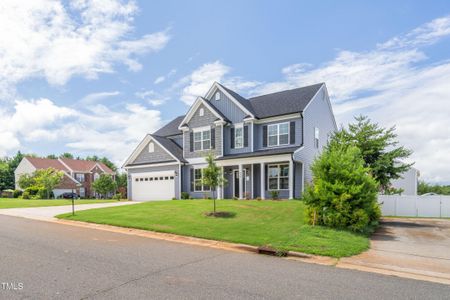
(85, 166)
(284, 102)
(196, 105)
(170, 128)
(240, 99)
(170, 146)
(45, 163)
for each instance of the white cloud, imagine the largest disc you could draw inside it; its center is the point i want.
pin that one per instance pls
(200, 80)
(50, 40)
(151, 97)
(97, 97)
(159, 80)
(163, 78)
(393, 85)
(99, 130)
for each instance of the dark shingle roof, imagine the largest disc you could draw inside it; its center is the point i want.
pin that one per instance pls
(285, 150)
(212, 107)
(170, 128)
(285, 102)
(171, 146)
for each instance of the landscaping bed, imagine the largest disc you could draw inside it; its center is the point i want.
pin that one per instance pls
(22, 203)
(279, 225)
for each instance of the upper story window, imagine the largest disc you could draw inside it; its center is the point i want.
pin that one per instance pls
(151, 147)
(217, 96)
(79, 177)
(202, 140)
(198, 185)
(201, 112)
(316, 137)
(278, 134)
(96, 176)
(238, 136)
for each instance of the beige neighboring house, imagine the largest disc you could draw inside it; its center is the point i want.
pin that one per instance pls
(78, 174)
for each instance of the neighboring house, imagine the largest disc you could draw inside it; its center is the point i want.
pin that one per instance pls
(408, 182)
(263, 144)
(78, 174)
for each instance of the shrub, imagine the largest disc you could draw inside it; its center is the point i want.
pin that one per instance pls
(343, 194)
(17, 193)
(274, 195)
(117, 197)
(185, 195)
(25, 195)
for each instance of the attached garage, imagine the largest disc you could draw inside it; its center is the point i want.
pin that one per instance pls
(153, 186)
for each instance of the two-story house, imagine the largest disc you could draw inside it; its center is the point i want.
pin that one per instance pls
(263, 144)
(78, 174)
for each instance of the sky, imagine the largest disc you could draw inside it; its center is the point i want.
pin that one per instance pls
(94, 77)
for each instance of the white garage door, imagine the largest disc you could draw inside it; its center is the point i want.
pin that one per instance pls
(153, 186)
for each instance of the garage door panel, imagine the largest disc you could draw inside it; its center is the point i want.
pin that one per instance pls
(153, 186)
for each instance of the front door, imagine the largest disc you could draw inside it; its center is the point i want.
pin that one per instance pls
(236, 183)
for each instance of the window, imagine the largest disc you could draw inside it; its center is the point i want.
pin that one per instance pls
(202, 140)
(278, 177)
(97, 176)
(278, 134)
(217, 96)
(316, 137)
(79, 177)
(201, 112)
(198, 186)
(238, 137)
(151, 147)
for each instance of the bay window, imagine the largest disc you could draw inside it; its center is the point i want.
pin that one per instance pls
(278, 134)
(278, 177)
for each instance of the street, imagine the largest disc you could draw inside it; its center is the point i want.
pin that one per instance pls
(66, 262)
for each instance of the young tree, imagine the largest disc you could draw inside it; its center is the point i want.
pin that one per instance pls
(47, 179)
(104, 185)
(25, 181)
(212, 176)
(4, 175)
(343, 194)
(66, 155)
(379, 149)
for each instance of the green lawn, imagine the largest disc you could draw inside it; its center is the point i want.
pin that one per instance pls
(279, 224)
(17, 203)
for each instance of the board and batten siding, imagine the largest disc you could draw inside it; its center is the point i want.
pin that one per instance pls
(200, 121)
(317, 114)
(227, 140)
(158, 155)
(227, 107)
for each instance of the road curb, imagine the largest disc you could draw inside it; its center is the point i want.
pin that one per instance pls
(170, 237)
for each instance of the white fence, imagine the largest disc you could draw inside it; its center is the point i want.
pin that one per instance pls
(415, 206)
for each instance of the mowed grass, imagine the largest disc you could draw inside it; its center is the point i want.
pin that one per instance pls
(22, 203)
(278, 224)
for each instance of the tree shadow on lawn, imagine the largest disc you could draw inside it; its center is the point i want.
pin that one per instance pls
(220, 214)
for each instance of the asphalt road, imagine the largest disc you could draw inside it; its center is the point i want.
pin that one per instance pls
(66, 262)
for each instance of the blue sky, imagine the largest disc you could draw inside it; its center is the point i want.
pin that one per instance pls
(93, 77)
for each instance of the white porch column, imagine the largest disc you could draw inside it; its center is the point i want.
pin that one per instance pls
(291, 179)
(252, 178)
(241, 181)
(220, 187)
(263, 179)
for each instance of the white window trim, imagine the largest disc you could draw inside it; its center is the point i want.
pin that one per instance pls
(217, 96)
(278, 177)
(278, 134)
(239, 126)
(201, 112)
(202, 185)
(202, 129)
(316, 137)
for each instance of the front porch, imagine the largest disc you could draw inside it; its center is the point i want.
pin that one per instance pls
(258, 177)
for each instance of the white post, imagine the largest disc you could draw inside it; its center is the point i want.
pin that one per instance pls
(252, 178)
(221, 194)
(291, 179)
(263, 178)
(241, 181)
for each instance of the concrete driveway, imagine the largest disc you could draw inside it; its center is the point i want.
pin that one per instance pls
(417, 248)
(48, 213)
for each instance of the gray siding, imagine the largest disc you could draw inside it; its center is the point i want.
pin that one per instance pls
(258, 132)
(227, 107)
(227, 141)
(155, 169)
(159, 155)
(177, 139)
(197, 121)
(318, 114)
